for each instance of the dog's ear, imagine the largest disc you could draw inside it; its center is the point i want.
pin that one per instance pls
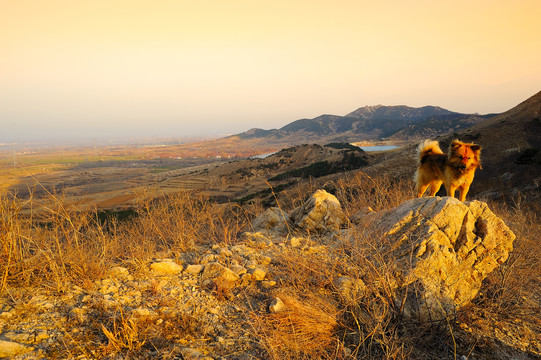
(456, 144)
(476, 153)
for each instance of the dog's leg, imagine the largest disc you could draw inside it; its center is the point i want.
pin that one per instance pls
(435, 187)
(463, 191)
(421, 189)
(451, 190)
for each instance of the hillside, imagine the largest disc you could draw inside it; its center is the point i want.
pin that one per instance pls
(370, 123)
(510, 156)
(313, 252)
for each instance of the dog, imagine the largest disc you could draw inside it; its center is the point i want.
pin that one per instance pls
(455, 170)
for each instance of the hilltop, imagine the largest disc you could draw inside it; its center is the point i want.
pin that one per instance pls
(510, 156)
(369, 123)
(315, 251)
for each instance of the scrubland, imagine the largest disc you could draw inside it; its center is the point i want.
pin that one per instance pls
(57, 247)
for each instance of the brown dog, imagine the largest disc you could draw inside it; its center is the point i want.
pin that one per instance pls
(456, 169)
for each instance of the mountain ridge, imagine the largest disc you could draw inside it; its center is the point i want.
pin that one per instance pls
(369, 123)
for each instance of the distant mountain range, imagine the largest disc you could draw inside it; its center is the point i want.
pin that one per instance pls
(371, 123)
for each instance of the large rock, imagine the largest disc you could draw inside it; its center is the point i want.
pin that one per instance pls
(321, 213)
(443, 249)
(273, 219)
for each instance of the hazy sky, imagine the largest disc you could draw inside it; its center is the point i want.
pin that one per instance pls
(102, 68)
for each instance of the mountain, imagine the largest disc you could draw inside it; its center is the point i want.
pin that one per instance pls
(510, 155)
(369, 123)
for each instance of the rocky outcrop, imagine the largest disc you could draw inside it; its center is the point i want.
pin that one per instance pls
(443, 249)
(439, 250)
(320, 214)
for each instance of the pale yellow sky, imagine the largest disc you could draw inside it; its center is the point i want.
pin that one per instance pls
(180, 68)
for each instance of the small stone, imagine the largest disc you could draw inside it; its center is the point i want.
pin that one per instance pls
(229, 275)
(9, 349)
(140, 312)
(350, 289)
(238, 269)
(190, 354)
(79, 314)
(208, 258)
(19, 337)
(267, 284)
(119, 272)
(258, 274)
(225, 252)
(246, 279)
(193, 269)
(277, 305)
(265, 260)
(40, 336)
(295, 242)
(168, 267)
(109, 289)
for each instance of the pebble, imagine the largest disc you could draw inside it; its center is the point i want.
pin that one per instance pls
(166, 267)
(277, 305)
(193, 269)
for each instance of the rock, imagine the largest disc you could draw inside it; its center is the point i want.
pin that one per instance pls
(190, 354)
(321, 213)
(268, 284)
(258, 274)
(216, 271)
(119, 272)
(350, 290)
(9, 349)
(238, 269)
(142, 312)
(295, 242)
(443, 249)
(273, 220)
(208, 258)
(194, 269)
(166, 267)
(79, 313)
(361, 214)
(277, 305)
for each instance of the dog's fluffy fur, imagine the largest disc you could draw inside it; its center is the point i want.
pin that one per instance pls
(455, 170)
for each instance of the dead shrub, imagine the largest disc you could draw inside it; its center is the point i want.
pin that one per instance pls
(507, 291)
(304, 330)
(357, 191)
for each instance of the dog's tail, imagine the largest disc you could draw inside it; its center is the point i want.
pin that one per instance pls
(428, 147)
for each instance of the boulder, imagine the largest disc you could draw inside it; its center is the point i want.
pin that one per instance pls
(272, 220)
(321, 213)
(444, 249)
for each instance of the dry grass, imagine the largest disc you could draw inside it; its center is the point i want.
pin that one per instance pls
(304, 330)
(66, 246)
(508, 290)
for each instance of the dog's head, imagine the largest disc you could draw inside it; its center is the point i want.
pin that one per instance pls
(464, 156)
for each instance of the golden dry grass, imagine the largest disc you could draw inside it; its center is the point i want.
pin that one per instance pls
(67, 246)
